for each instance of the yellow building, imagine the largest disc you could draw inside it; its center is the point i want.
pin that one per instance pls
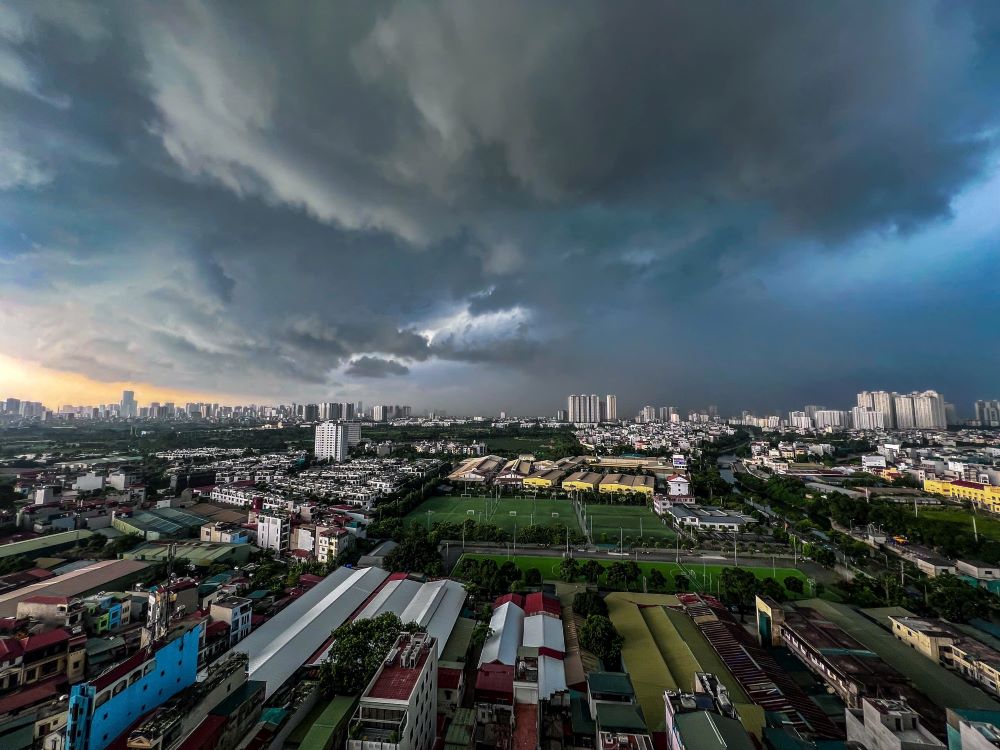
(627, 483)
(585, 481)
(545, 479)
(941, 643)
(985, 496)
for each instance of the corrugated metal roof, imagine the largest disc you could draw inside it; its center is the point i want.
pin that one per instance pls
(551, 677)
(280, 646)
(542, 630)
(78, 582)
(441, 621)
(394, 597)
(507, 629)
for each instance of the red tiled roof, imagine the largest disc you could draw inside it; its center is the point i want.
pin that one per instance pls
(515, 598)
(119, 671)
(39, 599)
(539, 602)
(48, 638)
(216, 629)
(36, 693)
(495, 681)
(449, 678)
(396, 682)
(971, 485)
(10, 648)
(206, 735)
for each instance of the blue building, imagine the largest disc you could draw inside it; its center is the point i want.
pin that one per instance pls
(103, 708)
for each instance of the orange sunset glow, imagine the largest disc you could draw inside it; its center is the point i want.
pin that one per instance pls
(54, 388)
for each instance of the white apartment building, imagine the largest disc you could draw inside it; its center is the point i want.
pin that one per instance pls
(240, 496)
(928, 411)
(611, 408)
(867, 418)
(332, 441)
(800, 420)
(273, 531)
(831, 418)
(922, 410)
(884, 402)
(398, 709)
(585, 409)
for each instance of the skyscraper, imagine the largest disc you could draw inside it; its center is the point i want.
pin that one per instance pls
(988, 413)
(611, 408)
(129, 407)
(928, 411)
(331, 441)
(585, 409)
(905, 419)
(883, 402)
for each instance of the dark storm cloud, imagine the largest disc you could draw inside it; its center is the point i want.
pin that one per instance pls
(361, 190)
(375, 367)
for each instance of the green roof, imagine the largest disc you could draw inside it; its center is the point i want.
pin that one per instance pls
(702, 730)
(461, 731)
(620, 717)
(457, 647)
(273, 716)
(42, 543)
(615, 683)
(336, 714)
(580, 714)
(247, 691)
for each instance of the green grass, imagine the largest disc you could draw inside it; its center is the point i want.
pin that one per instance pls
(541, 512)
(703, 578)
(988, 526)
(609, 522)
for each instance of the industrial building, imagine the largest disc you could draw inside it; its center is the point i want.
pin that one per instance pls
(107, 575)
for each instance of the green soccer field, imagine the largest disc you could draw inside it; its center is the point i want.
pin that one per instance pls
(507, 513)
(609, 522)
(703, 578)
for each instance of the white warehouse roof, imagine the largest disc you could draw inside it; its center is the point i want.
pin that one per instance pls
(281, 645)
(543, 630)
(395, 596)
(507, 628)
(436, 608)
(551, 677)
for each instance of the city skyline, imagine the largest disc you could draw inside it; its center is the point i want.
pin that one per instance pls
(761, 216)
(878, 409)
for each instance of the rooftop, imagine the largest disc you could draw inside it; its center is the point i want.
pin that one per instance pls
(401, 669)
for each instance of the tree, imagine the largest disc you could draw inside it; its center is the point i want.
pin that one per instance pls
(358, 648)
(592, 571)
(682, 582)
(770, 587)
(569, 569)
(657, 580)
(588, 603)
(480, 633)
(794, 584)
(416, 552)
(617, 577)
(955, 600)
(632, 572)
(533, 577)
(599, 636)
(738, 586)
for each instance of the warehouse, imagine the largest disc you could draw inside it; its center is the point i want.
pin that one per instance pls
(107, 575)
(282, 644)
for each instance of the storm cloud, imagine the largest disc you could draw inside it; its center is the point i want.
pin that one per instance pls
(494, 203)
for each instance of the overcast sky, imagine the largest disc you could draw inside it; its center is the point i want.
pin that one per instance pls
(482, 205)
